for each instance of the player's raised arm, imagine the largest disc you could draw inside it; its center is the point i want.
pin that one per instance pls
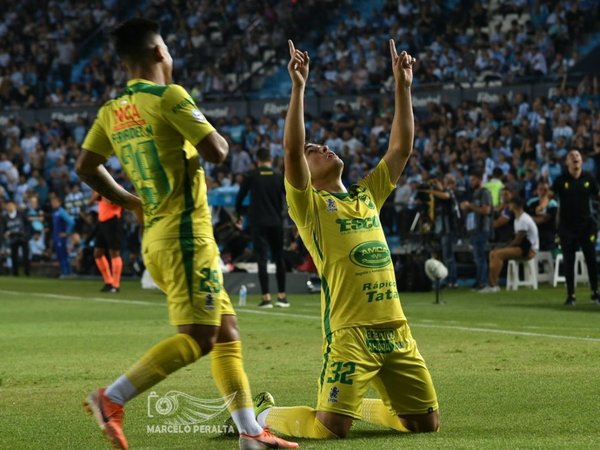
(296, 167)
(403, 126)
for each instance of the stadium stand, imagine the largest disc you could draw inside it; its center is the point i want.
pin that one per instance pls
(227, 49)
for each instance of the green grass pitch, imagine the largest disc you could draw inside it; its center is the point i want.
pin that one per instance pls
(513, 370)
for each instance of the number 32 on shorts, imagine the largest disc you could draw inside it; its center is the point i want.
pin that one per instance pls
(341, 371)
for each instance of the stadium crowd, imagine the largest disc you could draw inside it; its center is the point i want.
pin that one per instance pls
(218, 46)
(518, 40)
(526, 139)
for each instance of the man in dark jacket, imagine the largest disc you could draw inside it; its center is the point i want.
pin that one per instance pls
(16, 235)
(576, 225)
(265, 186)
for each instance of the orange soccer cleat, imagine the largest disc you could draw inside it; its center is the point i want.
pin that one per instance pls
(109, 416)
(264, 440)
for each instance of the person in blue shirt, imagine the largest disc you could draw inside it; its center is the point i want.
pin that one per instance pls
(62, 226)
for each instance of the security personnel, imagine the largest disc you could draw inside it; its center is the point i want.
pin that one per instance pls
(577, 228)
(266, 223)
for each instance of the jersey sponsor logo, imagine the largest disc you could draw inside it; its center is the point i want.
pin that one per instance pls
(358, 224)
(196, 114)
(382, 341)
(371, 254)
(128, 113)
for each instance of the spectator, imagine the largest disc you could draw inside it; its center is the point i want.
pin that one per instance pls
(478, 223)
(543, 209)
(448, 226)
(503, 224)
(74, 203)
(495, 185)
(15, 233)
(37, 248)
(62, 227)
(240, 160)
(524, 245)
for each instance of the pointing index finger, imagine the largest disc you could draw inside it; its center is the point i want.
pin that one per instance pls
(393, 51)
(292, 48)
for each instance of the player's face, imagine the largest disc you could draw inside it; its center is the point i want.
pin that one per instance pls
(322, 162)
(574, 160)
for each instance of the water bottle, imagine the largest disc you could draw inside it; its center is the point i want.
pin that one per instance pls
(243, 295)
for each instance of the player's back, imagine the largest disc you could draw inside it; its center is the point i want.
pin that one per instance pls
(152, 128)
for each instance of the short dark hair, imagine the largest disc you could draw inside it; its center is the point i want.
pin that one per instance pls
(518, 201)
(131, 38)
(263, 154)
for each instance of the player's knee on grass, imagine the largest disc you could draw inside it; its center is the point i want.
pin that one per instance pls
(204, 335)
(422, 423)
(338, 424)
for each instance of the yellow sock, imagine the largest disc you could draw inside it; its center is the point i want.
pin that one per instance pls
(229, 375)
(298, 421)
(163, 359)
(374, 411)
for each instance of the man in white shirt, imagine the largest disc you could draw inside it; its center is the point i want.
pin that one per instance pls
(524, 245)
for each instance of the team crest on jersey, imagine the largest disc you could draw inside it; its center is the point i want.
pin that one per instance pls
(198, 115)
(333, 395)
(367, 201)
(210, 302)
(331, 206)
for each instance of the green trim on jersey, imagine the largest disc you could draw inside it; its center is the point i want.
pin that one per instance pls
(327, 312)
(186, 231)
(145, 88)
(340, 195)
(316, 242)
(325, 364)
(326, 327)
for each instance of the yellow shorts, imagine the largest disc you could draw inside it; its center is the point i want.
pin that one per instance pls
(188, 272)
(385, 358)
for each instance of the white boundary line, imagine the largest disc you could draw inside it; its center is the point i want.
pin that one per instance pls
(311, 317)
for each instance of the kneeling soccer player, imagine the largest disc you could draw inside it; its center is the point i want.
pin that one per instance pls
(367, 340)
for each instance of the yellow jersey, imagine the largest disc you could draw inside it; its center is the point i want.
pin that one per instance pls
(343, 234)
(153, 130)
